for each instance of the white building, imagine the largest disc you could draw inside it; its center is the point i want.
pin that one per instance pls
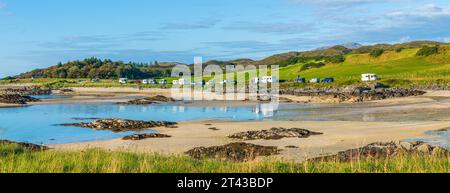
(123, 80)
(369, 77)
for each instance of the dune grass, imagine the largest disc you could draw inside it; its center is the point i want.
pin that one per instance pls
(14, 159)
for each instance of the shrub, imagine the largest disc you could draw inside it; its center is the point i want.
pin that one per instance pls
(311, 65)
(376, 53)
(398, 50)
(335, 59)
(427, 51)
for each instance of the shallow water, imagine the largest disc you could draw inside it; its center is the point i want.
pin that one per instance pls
(39, 123)
(49, 96)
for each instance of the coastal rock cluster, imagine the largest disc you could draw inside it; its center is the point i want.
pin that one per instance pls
(384, 150)
(16, 99)
(27, 146)
(240, 152)
(122, 125)
(25, 91)
(274, 133)
(149, 100)
(137, 137)
(354, 93)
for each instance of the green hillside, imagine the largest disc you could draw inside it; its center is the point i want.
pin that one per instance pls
(395, 68)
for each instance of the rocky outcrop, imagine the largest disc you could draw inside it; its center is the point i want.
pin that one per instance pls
(26, 91)
(240, 152)
(384, 150)
(27, 146)
(122, 125)
(274, 133)
(16, 99)
(149, 100)
(137, 137)
(354, 93)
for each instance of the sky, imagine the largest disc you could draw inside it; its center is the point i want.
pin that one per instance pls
(38, 34)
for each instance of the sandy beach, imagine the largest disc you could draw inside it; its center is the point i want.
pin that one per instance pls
(338, 135)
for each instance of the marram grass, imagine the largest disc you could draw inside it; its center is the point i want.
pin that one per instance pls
(14, 159)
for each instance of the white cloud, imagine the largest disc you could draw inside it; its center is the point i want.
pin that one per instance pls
(427, 11)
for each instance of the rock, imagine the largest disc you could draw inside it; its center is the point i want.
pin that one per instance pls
(149, 100)
(26, 91)
(122, 125)
(424, 148)
(145, 136)
(274, 133)
(213, 128)
(28, 146)
(406, 145)
(291, 147)
(383, 151)
(16, 99)
(353, 93)
(240, 152)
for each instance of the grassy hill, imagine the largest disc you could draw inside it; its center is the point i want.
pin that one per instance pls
(396, 68)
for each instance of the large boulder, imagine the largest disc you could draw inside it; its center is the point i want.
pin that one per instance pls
(274, 133)
(122, 125)
(233, 152)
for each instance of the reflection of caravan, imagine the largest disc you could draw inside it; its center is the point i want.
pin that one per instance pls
(266, 109)
(369, 77)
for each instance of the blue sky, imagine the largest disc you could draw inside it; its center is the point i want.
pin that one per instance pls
(36, 34)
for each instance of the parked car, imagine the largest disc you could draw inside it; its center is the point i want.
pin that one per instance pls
(162, 81)
(300, 80)
(315, 80)
(95, 80)
(269, 79)
(328, 80)
(148, 81)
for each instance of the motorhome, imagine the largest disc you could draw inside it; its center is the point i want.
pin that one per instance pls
(315, 80)
(369, 77)
(123, 80)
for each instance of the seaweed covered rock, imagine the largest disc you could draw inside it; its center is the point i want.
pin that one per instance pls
(137, 137)
(383, 151)
(274, 133)
(149, 100)
(122, 125)
(16, 99)
(240, 152)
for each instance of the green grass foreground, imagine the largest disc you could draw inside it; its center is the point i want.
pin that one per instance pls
(14, 159)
